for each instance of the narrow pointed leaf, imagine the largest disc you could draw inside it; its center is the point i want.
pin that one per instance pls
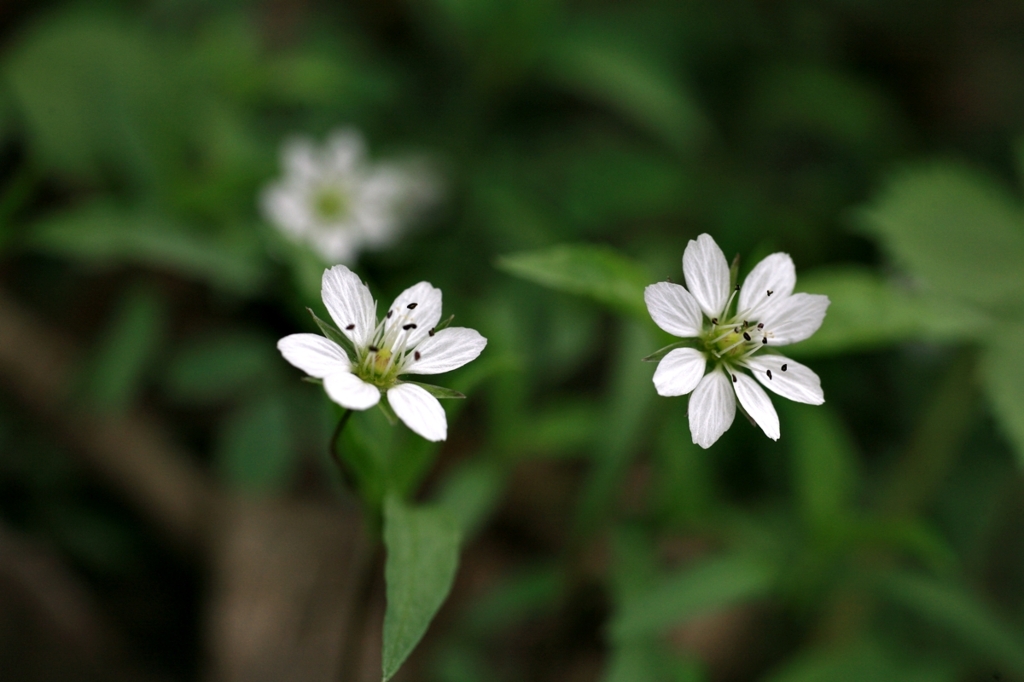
(439, 392)
(335, 335)
(423, 553)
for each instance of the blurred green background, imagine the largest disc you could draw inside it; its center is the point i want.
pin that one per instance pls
(581, 145)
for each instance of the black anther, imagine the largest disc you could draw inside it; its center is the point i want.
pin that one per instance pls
(389, 314)
(431, 332)
(769, 374)
(373, 349)
(416, 355)
(350, 327)
(412, 306)
(407, 327)
(764, 340)
(746, 336)
(770, 292)
(784, 368)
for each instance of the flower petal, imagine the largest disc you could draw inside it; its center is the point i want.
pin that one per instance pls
(420, 411)
(707, 274)
(350, 391)
(775, 273)
(757, 404)
(679, 372)
(674, 309)
(795, 318)
(420, 306)
(796, 382)
(350, 304)
(446, 350)
(712, 409)
(344, 152)
(300, 160)
(313, 354)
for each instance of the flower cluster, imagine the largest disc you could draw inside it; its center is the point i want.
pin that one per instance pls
(338, 203)
(728, 339)
(368, 357)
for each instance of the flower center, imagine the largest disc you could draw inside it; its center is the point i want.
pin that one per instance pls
(330, 203)
(736, 340)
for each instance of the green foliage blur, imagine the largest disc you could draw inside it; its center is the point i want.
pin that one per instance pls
(581, 145)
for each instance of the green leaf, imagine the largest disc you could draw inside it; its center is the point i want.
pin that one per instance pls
(95, 93)
(961, 614)
(254, 453)
(1002, 376)
(220, 365)
(470, 493)
(114, 377)
(824, 464)
(867, 312)
(335, 335)
(597, 272)
(423, 553)
(956, 230)
(105, 235)
(706, 587)
(437, 391)
(657, 355)
(859, 662)
(625, 77)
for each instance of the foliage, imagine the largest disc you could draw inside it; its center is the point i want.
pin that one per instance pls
(582, 145)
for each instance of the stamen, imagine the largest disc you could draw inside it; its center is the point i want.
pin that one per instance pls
(412, 306)
(770, 292)
(746, 336)
(764, 340)
(737, 287)
(350, 327)
(431, 332)
(407, 327)
(784, 368)
(373, 349)
(388, 316)
(416, 355)
(733, 377)
(760, 325)
(769, 374)
(714, 320)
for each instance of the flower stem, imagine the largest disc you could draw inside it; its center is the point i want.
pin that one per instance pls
(335, 437)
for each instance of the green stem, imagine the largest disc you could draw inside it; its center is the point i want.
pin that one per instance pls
(333, 447)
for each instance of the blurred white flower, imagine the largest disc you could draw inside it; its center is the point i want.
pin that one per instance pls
(767, 314)
(404, 341)
(338, 202)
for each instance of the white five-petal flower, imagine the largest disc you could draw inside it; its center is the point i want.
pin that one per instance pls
(337, 202)
(729, 339)
(403, 342)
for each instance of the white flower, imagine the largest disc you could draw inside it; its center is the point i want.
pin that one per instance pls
(339, 203)
(403, 342)
(767, 314)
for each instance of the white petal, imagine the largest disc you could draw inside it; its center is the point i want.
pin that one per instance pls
(420, 411)
(338, 245)
(419, 305)
(350, 391)
(344, 151)
(796, 382)
(349, 302)
(446, 350)
(757, 404)
(673, 309)
(794, 318)
(679, 372)
(707, 274)
(777, 274)
(712, 408)
(313, 354)
(300, 159)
